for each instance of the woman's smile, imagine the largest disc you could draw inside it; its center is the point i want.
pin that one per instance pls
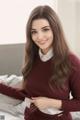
(42, 42)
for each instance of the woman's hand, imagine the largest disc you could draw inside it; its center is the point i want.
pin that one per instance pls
(44, 102)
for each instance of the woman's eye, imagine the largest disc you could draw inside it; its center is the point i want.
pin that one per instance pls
(46, 29)
(33, 32)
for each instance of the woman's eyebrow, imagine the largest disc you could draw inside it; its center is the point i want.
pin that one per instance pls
(45, 27)
(41, 28)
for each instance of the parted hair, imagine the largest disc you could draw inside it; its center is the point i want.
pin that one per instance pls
(61, 66)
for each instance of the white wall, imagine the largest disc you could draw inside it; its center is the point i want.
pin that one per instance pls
(78, 27)
(70, 16)
(13, 18)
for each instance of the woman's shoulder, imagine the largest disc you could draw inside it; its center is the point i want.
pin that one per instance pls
(75, 72)
(75, 60)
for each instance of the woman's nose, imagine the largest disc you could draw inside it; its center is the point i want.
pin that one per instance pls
(40, 36)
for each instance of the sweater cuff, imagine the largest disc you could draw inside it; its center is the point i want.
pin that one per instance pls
(64, 105)
(70, 105)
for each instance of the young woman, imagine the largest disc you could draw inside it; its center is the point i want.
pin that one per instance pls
(51, 72)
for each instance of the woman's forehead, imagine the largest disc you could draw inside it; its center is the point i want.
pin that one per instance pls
(40, 23)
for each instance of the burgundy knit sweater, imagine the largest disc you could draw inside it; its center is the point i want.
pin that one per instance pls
(37, 85)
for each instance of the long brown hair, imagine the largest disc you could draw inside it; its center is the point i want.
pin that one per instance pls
(60, 61)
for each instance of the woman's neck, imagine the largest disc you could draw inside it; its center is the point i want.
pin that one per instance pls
(44, 57)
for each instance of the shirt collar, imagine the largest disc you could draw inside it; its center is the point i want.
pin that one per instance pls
(47, 56)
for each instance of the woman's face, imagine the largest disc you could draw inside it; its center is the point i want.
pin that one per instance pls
(42, 34)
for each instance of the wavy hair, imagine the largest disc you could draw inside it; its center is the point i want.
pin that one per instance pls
(60, 62)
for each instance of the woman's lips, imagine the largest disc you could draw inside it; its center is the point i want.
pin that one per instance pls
(42, 42)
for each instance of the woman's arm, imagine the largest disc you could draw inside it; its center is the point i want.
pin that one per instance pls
(74, 103)
(12, 92)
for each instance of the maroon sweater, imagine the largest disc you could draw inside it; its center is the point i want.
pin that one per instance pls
(37, 85)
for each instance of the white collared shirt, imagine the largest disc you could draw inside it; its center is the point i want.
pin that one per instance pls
(47, 56)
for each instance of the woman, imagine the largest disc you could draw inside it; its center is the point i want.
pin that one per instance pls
(51, 71)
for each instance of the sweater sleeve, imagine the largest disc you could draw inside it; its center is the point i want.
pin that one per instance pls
(12, 92)
(74, 103)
